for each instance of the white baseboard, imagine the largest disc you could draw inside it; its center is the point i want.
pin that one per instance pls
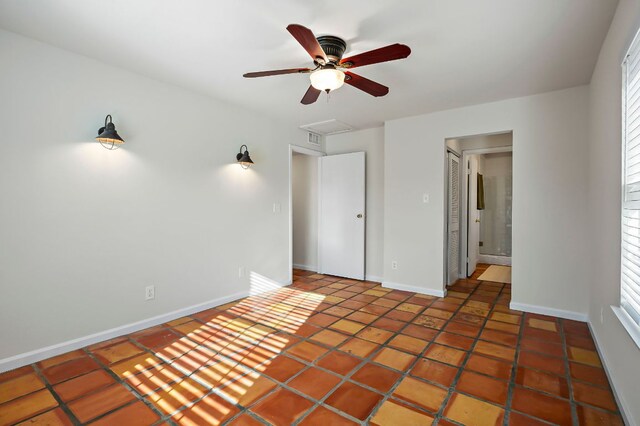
(495, 260)
(414, 289)
(622, 404)
(305, 267)
(373, 278)
(543, 310)
(40, 354)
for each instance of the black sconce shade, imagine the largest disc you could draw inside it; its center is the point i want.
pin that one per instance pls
(107, 135)
(243, 158)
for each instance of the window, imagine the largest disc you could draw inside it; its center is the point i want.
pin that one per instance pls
(629, 310)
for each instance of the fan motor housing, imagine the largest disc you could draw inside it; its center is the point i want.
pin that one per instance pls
(333, 46)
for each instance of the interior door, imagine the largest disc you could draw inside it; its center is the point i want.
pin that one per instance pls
(473, 216)
(341, 221)
(453, 218)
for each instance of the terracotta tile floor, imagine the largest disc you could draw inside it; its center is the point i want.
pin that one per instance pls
(329, 351)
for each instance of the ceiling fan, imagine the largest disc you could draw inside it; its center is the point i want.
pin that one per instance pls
(331, 71)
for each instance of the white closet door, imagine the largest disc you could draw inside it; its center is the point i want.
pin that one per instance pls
(453, 222)
(341, 221)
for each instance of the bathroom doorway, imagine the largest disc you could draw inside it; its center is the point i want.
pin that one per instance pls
(478, 216)
(495, 217)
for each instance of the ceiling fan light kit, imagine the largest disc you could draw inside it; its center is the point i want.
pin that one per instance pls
(327, 79)
(331, 71)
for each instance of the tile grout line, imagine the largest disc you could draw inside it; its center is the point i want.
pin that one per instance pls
(454, 383)
(514, 370)
(245, 343)
(403, 374)
(345, 378)
(55, 395)
(218, 390)
(313, 364)
(412, 365)
(129, 388)
(373, 354)
(379, 316)
(237, 335)
(65, 406)
(567, 373)
(421, 355)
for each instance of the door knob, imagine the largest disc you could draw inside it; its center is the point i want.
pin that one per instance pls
(359, 216)
(477, 220)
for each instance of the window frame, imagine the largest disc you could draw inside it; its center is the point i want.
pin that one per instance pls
(630, 325)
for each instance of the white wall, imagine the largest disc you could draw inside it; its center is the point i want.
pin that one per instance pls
(495, 233)
(84, 230)
(371, 141)
(304, 192)
(498, 164)
(550, 187)
(620, 352)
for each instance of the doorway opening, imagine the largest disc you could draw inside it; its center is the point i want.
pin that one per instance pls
(327, 213)
(478, 226)
(303, 209)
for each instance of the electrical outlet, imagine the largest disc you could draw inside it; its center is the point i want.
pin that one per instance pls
(241, 272)
(425, 198)
(150, 292)
(394, 264)
(276, 208)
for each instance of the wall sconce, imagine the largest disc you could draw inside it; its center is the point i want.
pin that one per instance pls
(107, 135)
(243, 158)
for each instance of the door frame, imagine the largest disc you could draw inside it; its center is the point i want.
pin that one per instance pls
(464, 223)
(305, 151)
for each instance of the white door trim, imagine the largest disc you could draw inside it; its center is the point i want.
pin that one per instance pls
(305, 151)
(463, 202)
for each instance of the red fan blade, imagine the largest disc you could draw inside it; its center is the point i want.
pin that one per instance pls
(275, 72)
(366, 85)
(306, 38)
(311, 96)
(384, 54)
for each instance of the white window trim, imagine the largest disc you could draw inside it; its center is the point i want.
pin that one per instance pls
(629, 324)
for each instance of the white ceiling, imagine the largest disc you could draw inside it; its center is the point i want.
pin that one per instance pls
(464, 52)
